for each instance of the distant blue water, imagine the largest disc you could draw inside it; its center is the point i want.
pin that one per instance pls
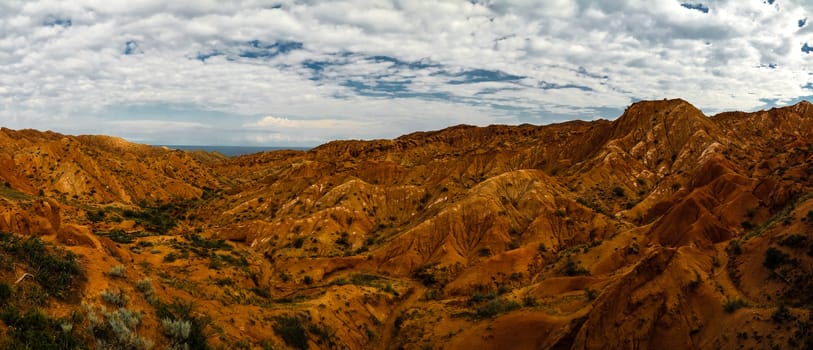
(231, 151)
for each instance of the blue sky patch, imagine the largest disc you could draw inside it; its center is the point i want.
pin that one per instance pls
(544, 85)
(808, 86)
(130, 48)
(698, 7)
(205, 56)
(258, 49)
(806, 48)
(54, 21)
(802, 22)
(481, 76)
(420, 64)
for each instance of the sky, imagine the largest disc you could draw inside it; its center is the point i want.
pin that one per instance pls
(301, 73)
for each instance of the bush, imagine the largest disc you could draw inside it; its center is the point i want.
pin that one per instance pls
(201, 242)
(57, 271)
(177, 331)
(144, 286)
(117, 329)
(782, 314)
(591, 294)
(496, 307)
(34, 330)
(95, 215)
(115, 297)
(731, 305)
(618, 191)
(573, 268)
(181, 311)
(529, 301)
(774, 257)
(170, 257)
(735, 247)
(118, 271)
(291, 331)
(156, 220)
(793, 241)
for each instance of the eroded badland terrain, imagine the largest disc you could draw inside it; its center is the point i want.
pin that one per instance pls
(663, 229)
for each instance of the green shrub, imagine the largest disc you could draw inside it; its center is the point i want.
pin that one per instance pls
(735, 247)
(182, 311)
(774, 257)
(291, 330)
(496, 307)
(34, 330)
(325, 337)
(95, 215)
(201, 242)
(115, 297)
(57, 271)
(731, 305)
(573, 268)
(793, 241)
(118, 271)
(116, 329)
(782, 314)
(591, 294)
(177, 331)
(157, 220)
(170, 257)
(529, 301)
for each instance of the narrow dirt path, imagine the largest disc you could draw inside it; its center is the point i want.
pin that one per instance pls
(415, 292)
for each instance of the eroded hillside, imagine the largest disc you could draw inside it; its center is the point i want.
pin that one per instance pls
(663, 228)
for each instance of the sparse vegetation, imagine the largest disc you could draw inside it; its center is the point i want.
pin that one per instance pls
(590, 294)
(117, 329)
(118, 271)
(794, 241)
(177, 331)
(291, 330)
(155, 219)
(573, 268)
(733, 304)
(32, 329)
(180, 312)
(115, 297)
(55, 270)
(495, 307)
(782, 314)
(774, 258)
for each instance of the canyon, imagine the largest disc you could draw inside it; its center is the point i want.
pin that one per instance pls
(664, 228)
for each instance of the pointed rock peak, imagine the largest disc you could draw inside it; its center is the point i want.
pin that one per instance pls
(647, 114)
(803, 108)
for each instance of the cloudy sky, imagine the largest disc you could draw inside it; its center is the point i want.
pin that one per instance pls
(299, 73)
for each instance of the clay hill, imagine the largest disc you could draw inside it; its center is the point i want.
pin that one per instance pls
(664, 228)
